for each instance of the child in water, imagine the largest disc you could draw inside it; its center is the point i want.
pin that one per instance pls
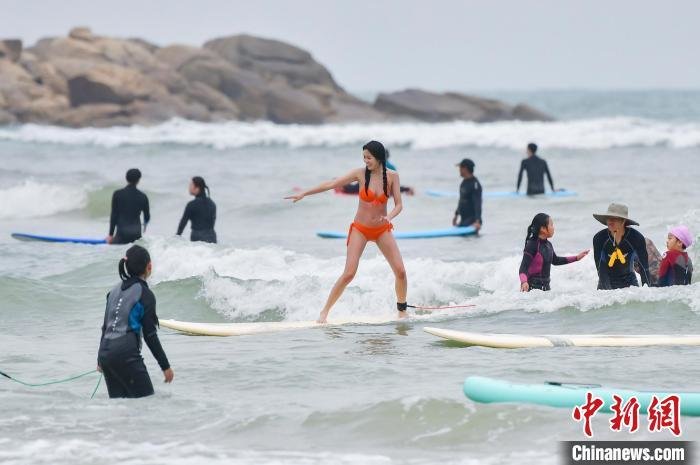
(539, 256)
(130, 317)
(676, 267)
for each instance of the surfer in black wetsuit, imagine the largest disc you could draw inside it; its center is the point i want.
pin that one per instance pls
(130, 317)
(617, 248)
(536, 168)
(127, 205)
(468, 211)
(201, 212)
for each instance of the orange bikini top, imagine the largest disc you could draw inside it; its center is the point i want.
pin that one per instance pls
(371, 197)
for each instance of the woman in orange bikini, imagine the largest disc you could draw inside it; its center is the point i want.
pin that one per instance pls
(372, 223)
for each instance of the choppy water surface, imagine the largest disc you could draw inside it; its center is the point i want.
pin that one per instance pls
(345, 395)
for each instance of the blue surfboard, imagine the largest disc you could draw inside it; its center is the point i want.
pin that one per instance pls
(40, 238)
(559, 394)
(426, 234)
(495, 194)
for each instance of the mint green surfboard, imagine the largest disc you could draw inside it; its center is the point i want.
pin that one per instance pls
(489, 390)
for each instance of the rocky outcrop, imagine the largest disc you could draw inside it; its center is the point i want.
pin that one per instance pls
(7, 118)
(85, 79)
(525, 112)
(112, 84)
(451, 106)
(274, 60)
(240, 88)
(10, 49)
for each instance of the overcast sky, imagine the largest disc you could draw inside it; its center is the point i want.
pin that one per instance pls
(439, 45)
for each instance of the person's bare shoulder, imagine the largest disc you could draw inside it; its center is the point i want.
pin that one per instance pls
(393, 178)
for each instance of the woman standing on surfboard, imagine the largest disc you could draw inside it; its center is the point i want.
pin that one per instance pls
(372, 223)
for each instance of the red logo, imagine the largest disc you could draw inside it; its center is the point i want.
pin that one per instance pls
(665, 414)
(627, 415)
(587, 411)
(661, 414)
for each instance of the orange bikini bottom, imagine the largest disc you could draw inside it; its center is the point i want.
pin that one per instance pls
(370, 233)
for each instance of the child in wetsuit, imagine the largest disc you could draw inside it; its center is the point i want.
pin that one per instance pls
(130, 316)
(676, 267)
(539, 256)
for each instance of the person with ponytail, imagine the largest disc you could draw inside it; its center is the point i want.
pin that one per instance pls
(201, 212)
(539, 256)
(372, 222)
(130, 317)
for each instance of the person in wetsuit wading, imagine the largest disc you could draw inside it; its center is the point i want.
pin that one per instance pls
(536, 168)
(127, 205)
(539, 255)
(676, 267)
(468, 211)
(201, 212)
(130, 317)
(617, 248)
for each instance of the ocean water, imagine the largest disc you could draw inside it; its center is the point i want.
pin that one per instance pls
(357, 394)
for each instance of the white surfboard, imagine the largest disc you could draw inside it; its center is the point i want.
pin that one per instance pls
(241, 329)
(520, 341)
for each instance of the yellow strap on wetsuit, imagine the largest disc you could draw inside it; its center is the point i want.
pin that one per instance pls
(616, 255)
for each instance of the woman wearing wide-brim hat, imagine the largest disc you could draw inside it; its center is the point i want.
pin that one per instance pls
(617, 248)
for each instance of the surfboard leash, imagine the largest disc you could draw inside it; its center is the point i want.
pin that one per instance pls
(58, 381)
(420, 307)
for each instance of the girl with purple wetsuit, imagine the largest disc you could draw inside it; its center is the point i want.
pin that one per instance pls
(539, 255)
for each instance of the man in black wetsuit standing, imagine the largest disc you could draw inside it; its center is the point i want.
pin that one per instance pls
(468, 211)
(536, 168)
(127, 205)
(617, 248)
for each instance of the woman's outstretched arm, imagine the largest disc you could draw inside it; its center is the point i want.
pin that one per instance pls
(328, 185)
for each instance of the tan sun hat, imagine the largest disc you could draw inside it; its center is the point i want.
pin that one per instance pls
(615, 210)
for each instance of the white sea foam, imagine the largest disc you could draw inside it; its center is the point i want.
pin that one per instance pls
(599, 133)
(79, 451)
(241, 283)
(33, 199)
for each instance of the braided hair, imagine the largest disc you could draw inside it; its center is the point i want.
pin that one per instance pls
(379, 152)
(135, 263)
(541, 220)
